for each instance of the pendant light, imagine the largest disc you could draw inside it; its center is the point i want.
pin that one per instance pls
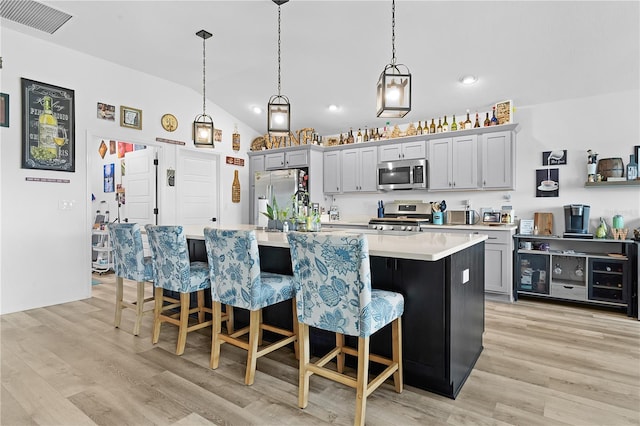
(279, 109)
(394, 85)
(203, 123)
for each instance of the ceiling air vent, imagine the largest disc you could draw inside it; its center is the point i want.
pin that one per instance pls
(33, 14)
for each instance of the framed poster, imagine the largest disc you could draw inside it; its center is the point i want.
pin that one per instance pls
(4, 110)
(109, 177)
(48, 127)
(130, 117)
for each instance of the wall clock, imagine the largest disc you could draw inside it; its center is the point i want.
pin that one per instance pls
(169, 122)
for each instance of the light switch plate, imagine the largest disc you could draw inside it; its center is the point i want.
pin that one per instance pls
(465, 276)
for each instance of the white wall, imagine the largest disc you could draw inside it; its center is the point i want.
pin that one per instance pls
(45, 251)
(607, 124)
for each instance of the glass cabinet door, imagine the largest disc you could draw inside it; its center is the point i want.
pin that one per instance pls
(534, 273)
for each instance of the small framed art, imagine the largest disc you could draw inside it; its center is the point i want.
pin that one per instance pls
(4, 110)
(130, 117)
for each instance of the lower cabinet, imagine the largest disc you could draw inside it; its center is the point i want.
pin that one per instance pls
(577, 270)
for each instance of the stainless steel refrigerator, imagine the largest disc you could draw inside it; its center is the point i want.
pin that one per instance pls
(281, 184)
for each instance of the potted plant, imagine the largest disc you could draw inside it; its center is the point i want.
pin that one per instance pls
(275, 215)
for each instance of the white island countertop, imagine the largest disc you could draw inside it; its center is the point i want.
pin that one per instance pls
(429, 246)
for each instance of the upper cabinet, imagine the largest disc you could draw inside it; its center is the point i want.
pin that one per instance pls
(332, 172)
(359, 169)
(402, 151)
(453, 163)
(286, 160)
(498, 159)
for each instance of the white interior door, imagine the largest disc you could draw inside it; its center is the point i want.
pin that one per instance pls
(197, 181)
(139, 182)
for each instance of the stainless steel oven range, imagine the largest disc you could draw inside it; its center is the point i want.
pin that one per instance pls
(402, 216)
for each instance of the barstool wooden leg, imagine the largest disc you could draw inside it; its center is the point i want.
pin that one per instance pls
(139, 308)
(252, 350)
(396, 335)
(215, 335)
(296, 343)
(157, 310)
(119, 297)
(260, 328)
(200, 296)
(340, 356)
(363, 379)
(303, 373)
(184, 322)
(228, 309)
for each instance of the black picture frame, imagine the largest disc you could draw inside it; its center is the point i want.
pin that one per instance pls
(57, 150)
(4, 109)
(636, 152)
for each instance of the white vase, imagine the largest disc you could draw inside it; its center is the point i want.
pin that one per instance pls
(591, 168)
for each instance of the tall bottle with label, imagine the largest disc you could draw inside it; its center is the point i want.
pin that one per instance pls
(235, 138)
(432, 127)
(632, 168)
(419, 129)
(439, 128)
(487, 122)
(477, 123)
(467, 122)
(445, 125)
(359, 136)
(454, 125)
(350, 136)
(48, 129)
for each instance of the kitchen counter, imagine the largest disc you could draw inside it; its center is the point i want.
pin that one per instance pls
(441, 276)
(429, 246)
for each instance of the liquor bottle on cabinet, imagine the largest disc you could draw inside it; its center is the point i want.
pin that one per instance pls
(419, 129)
(467, 122)
(359, 136)
(494, 120)
(341, 139)
(366, 134)
(432, 127)
(445, 125)
(487, 122)
(350, 136)
(454, 125)
(439, 128)
(477, 123)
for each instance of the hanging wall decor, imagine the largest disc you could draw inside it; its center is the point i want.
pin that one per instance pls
(547, 183)
(48, 127)
(554, 158)
(235, 188)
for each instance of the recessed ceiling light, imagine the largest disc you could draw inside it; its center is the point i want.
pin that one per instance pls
(333, 108)
(468, 79)
(256, 110)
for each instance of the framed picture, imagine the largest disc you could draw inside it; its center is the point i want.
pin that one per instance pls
(106, 111)
(130, 117)
(217, 135)
(48, 127)
(4, 110)
(526, 226)
(636, 151)
(503, 112)
(109, 178)
(547, 183)
(551, 158)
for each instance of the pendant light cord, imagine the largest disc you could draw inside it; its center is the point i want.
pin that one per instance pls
(393, 32)
(278, 50)
(204, 76)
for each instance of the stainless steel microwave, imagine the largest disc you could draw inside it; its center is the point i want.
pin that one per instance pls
(402, 174)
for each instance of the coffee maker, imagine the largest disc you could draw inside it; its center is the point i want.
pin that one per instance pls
(576, 221)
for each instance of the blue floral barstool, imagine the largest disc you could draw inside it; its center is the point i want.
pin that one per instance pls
(175, 272)
(334, 293)
(130, 264)
(236, 280)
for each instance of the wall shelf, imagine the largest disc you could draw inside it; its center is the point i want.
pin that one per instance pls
(613, 183)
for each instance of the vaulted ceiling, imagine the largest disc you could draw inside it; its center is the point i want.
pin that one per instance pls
(333, 51)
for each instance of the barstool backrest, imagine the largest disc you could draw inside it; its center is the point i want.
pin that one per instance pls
(170, 256)
(333, 281)
(128, 252)
(234, 262)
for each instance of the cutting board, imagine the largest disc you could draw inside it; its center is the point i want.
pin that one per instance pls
(544, 223)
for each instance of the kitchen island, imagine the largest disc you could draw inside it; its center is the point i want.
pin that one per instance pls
(440, 275)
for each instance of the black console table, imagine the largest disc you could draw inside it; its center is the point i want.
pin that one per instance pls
(602, 272)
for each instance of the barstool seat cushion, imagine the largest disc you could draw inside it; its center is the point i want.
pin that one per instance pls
(239, 280)
(337, 294)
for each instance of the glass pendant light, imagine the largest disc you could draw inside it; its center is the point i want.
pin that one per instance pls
(203, 123)
(279, 109)
(394, 85)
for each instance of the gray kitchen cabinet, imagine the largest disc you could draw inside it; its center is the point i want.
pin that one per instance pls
(286, 160)
(402, 151)
(332, 172)
(256, 163)
(498, 158)
(453, 163)
(498, 256)
(358, 169)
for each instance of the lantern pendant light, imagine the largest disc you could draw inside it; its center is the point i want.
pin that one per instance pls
(203, 123)
(278, 108)
(394, 85)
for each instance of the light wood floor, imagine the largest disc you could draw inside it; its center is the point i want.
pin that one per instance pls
(543, 364)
